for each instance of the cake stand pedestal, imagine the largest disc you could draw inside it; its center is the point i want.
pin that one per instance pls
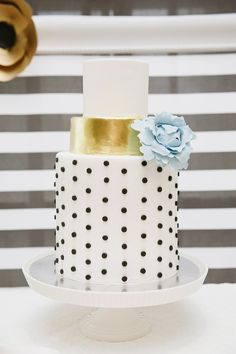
(117, 318)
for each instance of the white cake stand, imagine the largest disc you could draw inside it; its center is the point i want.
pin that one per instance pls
(116, 320)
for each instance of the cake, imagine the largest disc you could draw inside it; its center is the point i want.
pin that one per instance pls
(117, 201)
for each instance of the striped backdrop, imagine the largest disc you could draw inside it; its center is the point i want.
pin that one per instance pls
(35, 111)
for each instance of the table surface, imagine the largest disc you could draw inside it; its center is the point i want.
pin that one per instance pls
(204, 323)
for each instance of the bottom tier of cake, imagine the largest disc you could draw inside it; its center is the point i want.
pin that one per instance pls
(116, 219)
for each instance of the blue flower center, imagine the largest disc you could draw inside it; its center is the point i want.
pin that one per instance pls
(168, 135)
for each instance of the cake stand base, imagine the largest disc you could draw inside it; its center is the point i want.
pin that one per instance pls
(116, 320)
(114, 325)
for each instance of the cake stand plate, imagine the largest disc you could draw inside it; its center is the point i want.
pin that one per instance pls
(116, 320)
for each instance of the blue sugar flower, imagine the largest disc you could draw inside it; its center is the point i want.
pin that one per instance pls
(165, 138)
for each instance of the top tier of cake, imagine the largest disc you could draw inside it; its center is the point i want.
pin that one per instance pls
(115, 95)
(115, 88)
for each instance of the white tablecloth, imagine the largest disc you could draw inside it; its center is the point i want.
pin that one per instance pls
(205, 323)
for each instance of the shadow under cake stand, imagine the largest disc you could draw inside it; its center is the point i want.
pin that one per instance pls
(117, 318)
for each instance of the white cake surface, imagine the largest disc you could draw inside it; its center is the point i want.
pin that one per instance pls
(115, 88)
(116, 219)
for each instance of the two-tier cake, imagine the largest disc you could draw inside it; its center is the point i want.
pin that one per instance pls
(117, 187)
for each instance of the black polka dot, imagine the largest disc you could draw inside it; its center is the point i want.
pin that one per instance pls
(159, 189)
(176, 202)
(88, 277)
(74, 178)
(124, 191)
(89, 170)
(62, 257)
(124, 264)
(88, 245)
(176, 185)
(170, 178)
(159, 208)
(143, 236)
(87, 261)
(124, 246)
(88, 210)
(61, 271)
(104, 218)
(176, 235)
(105, 200)
(170, 213)
(143, 270)
(73, 234)
(62, 188)
(106, 180)
(74, 162)
(170, 265)
(105, 237)
(160, 226)
(144, 180)
(62, 169)
(144, 163)
(56, 159)
(106, 163)
(159, 169)
(176, 252)
(57, 193)
(57, 244)
(176, 218)
(159, 259)
(144, 200)
(54, 217)
(56, 175)
(57, 210)
(124, 229)
(54, 184)
(104, 271)
(178, 173)
(143, 217)
(74, 215)
(170, 196)
(159, 275)
(124, 279)
(88, 190)
(159, 242)
(171, 248)
(170, 230)
(63, 206)
(63, 224)
(124, 171)
(177, 267)
(74, 197)
(123, 210)
(88, 227)
(73, 269)
(73, 251)
(143, 253)
(57, 228)
(104, 255)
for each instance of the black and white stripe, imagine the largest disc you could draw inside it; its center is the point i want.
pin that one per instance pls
(34, 122)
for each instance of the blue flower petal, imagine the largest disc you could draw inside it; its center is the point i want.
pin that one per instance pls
(147, 152)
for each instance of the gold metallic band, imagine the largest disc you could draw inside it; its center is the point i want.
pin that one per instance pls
(103, 136)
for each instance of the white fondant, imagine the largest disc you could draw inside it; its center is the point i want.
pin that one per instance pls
(115, 88)
(112, 190)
